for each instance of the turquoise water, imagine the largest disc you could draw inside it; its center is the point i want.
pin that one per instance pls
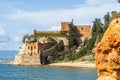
(11, 72)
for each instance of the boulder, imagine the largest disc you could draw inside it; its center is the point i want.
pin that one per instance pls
(107, 53)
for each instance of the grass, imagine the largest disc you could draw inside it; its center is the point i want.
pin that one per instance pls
(49, 35)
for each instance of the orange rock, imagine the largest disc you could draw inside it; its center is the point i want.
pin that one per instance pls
(107, 53)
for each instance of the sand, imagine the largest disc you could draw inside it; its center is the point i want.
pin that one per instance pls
(74, 64)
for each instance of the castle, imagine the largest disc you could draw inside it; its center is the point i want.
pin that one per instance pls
(36, 46)
(37, 50)
(82, 30)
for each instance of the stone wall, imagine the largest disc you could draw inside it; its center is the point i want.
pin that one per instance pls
(46, 32)
(83, 31)
(58, 39)
(25, 59)
(65, 26)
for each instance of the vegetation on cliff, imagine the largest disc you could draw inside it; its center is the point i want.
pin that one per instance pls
(87, 45)
(76, 50)
(71, 37)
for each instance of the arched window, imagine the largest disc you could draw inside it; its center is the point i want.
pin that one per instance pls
(34, 47)
(31, 48)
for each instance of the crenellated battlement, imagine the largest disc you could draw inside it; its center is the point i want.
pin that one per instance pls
(46, 32)
(82, 30)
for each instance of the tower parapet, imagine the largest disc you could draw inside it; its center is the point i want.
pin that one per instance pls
(65, 26)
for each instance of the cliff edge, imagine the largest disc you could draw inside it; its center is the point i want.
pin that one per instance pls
(107, 53)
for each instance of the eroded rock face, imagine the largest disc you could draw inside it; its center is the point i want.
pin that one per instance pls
(107, 53)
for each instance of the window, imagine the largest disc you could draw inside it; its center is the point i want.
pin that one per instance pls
(34, 47)
(31, 48)
(28, 47)
(31, 54)
(81, 28)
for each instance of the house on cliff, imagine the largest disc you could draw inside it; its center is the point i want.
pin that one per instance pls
(40, 44)
(33, 46)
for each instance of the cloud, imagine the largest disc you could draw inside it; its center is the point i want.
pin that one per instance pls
(2, 32)
(99, 2)
(54, 28)
(81, 15)
(51, 19)
(9, 41)
(17, 39)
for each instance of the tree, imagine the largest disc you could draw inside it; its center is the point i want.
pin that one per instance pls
(115, 15)
(24, 37)
(97, 27)
(72, 33)
(106, 21)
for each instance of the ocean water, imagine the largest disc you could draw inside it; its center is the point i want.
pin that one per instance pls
(8, 53)
(11, 72)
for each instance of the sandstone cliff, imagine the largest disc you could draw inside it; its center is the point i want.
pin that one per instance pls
(107, 53)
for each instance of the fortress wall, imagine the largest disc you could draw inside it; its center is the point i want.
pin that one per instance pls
(24, 59)
(65, 26)
(84, 30)
(46, 32)
(65, 40)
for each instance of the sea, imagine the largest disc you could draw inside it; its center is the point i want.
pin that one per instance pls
(12, 72)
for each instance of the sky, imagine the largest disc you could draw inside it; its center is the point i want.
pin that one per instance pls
(21, 17)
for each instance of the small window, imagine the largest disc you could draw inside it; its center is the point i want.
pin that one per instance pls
(31, 54)
(34, 47)
(28, 47)
(31, 48)
(81, 28)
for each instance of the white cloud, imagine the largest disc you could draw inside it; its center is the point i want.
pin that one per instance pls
(99, 2)
(81, 15)
(17, 39)
(54, 28)
(2, 32)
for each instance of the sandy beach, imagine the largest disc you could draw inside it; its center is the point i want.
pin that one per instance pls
(75, 64)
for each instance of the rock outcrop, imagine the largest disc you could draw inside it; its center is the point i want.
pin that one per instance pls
(107, 53)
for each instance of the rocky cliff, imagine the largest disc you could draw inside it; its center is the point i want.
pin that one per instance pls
(107, 53)
(23, 58)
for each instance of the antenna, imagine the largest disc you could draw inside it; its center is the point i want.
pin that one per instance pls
(72, 20)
